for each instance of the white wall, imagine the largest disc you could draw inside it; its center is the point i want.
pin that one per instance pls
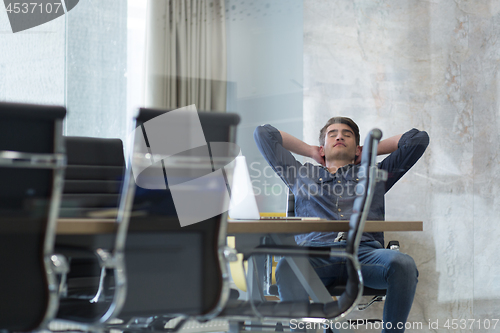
(32, 62)
(398, 64)
(96, 65)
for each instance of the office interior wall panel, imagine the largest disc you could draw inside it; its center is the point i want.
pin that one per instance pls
(481, 68)
(431, 65)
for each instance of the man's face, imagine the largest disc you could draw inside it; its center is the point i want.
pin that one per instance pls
(340, 143)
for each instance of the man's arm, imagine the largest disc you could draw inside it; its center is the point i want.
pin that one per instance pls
(297, 146)
(386, 146)
(410, 148)
(271, 145)
(389, 145)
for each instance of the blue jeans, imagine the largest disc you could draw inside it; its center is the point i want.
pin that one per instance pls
(381, 269)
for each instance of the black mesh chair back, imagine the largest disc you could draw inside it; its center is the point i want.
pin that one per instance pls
(31, 168)
(176, 270)
(93, 178)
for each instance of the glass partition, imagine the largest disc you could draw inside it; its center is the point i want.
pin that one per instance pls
(294, 64)
(393, 65)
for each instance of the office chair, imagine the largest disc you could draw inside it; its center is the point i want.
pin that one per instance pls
(240, 311)
(172, 270)
(31, 167)
(270, 289)
(97, 184)
(93, 178)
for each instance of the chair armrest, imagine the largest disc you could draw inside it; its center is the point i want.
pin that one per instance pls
(291, 250)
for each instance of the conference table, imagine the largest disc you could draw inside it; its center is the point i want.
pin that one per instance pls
(249, 233)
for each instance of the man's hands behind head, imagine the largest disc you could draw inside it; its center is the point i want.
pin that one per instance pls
(358, 157)
(316, 155)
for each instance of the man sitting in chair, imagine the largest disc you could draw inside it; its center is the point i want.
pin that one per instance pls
(327, 191)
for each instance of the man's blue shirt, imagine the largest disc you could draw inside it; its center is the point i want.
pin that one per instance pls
(318, 193)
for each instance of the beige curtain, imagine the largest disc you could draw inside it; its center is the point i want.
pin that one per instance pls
(186, 54)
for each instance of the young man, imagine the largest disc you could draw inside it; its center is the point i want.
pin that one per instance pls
(327, 191)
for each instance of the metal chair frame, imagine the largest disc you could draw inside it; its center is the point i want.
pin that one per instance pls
(114, 260)
(357, 223)
(54, 264)
(157, 322)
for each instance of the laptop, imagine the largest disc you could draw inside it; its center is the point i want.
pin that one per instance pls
(243, 205)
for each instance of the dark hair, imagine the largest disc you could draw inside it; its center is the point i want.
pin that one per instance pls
(339, 120)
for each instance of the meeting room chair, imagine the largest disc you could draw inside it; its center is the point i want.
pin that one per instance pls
(31, 168)
(240, 311)
(93, 178)
(97, 185)
(175, 271)
(271, 289)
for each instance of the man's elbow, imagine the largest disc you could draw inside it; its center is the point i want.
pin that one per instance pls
(259, 133)
(423, 139)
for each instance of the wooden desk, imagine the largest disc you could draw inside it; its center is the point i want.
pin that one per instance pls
(85, 226)
(99, 226)
(249, 233)
(298, 227)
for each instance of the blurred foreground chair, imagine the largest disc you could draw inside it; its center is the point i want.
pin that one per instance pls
(176, 270)
(239, 312)
(31, 168)
(97, 185)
